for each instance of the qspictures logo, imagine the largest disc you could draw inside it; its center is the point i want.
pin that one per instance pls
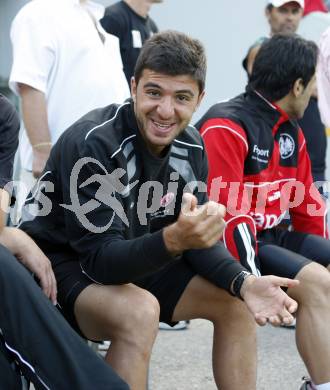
(107, 193)
(97, 196)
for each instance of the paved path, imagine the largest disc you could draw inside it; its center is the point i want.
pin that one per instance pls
(181, 360)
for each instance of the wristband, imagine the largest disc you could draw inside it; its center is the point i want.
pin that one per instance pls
(238, 282)
(41, 144)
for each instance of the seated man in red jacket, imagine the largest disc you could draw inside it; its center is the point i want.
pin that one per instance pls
(260, 169)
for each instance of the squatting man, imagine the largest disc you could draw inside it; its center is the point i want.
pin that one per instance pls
(117, 283)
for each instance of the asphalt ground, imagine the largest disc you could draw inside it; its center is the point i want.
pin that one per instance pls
(181, 360)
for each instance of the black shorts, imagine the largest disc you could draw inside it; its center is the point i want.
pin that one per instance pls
(167, 285)
(284, 253)
(71, 281)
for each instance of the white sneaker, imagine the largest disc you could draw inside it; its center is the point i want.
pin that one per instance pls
(104, 346)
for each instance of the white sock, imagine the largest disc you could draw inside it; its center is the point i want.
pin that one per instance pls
(323, 386)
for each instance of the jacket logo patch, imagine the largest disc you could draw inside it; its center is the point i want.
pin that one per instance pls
(167, 199)
(287, 145)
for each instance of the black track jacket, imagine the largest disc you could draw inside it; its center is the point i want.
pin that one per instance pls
(106, 199)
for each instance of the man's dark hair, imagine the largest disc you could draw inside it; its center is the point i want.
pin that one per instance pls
(173, 53)
(281, 61)
(269, 7)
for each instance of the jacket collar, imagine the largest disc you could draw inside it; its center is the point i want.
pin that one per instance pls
(274, 115)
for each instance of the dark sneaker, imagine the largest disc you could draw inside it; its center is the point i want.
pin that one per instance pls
(307, 385)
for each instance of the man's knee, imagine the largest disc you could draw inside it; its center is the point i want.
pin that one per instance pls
(124, 313)
(235, 316)
(139, 325)
(314, 288)
(143, 313)
(202, 299)
(237, 313)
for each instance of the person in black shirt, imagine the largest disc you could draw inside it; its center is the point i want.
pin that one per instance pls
(129, 21)
(122, 203)
(316, 140)
(32, 331)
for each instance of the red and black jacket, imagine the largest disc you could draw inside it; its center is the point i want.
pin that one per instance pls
(259, 168)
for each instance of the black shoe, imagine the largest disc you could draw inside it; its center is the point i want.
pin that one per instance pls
(307, 385)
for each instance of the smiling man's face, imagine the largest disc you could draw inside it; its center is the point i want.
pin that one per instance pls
(164, 106)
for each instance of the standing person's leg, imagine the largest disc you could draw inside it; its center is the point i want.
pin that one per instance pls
(183, 296)
(50, 353)
(312, 295)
